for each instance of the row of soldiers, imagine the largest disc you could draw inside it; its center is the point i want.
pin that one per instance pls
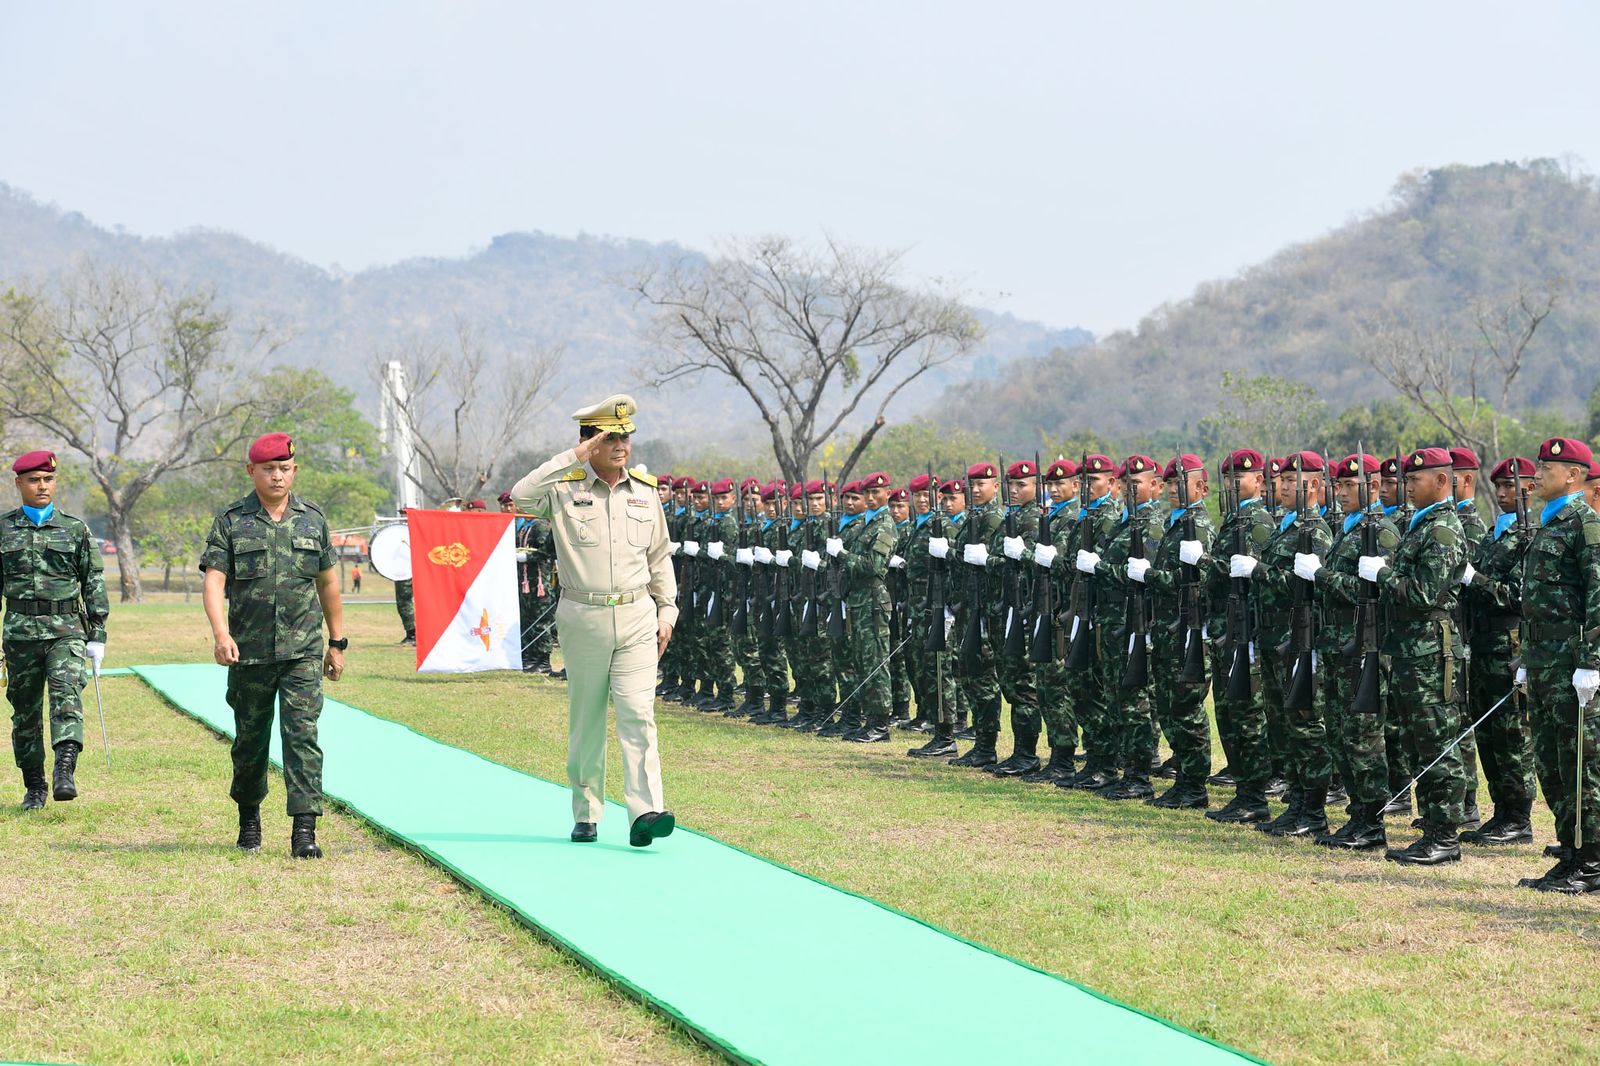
(1358, 627)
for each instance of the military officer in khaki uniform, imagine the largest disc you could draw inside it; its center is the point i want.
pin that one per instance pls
(616, 613)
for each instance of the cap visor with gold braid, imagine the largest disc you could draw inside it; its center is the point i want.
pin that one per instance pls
(614, 414)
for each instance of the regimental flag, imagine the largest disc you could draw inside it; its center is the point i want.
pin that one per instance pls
(464, 580)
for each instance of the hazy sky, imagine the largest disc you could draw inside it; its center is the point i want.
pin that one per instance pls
(1075, 163)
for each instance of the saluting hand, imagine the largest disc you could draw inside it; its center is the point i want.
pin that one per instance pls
(587, 447)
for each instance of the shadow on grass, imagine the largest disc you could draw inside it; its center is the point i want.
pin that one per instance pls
(163, 848)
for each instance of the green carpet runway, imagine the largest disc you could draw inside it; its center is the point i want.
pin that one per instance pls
(764, 963)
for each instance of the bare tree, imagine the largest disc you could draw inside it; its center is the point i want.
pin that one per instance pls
(1462, 385)
(139, 381)
(809, 338)
(468, 406)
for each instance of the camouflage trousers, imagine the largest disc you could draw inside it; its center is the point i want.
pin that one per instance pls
(1272, 683)
(1055, 686)
(32, 667)
(1504, 744)
(1416, 688)
(771, 663)
(294, 690)
(538, 617)
(406, 605)
(979, 678)
(1553, 712)
(715, 656)
(1396, 740)
(1091, 703)
(1357, 742)
(931, 671)
(1242, 725)
(867, 632)
(1129, 724)
(1181, 708)
(811, 658)
(844, 676)
(1017, 682)
(1306, 763)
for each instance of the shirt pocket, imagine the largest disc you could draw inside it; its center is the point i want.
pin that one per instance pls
(579, 531)
(60, 568)
(640, 529)
(15, 558)
(249, 559)
(307, 555)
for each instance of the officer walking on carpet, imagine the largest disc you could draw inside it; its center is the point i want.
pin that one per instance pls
(616, 613)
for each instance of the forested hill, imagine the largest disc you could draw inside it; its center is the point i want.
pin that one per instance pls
(1446, 237)
(522, 289)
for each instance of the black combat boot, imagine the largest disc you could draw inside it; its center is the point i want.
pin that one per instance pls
(1248, 807)
(1511, 824)
(1291, 814)
(35, 788)
(801, 718)
(1277, 788)
(1312, 820)
(1135, 785)
(1472, 818)
(1223, 777)
(836, 727)
(1167, 769)
(303, 841)
(982, 753)
(963, 730)
(1059, 767)
(1363, 832)
(777, 708)
(1024, 757)
(1434, 847)
(871, 733)
(1400, 806)
(1183, 796)
(755, 702)
(1095, 775)
(65, 788)
(901, 716)
(249, 828)
(940, 745)
(918, 724)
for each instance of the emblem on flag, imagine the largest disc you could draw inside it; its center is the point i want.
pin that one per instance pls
(455, 555)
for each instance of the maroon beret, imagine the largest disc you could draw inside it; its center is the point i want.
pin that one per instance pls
(1463, 459)
(699, 486)
(1565, 450)
(1098, 464)
(1352, 465)
(1117, 471)
(1309, 462)
(1244, 459)
(1390, 467)
(951, 486)
(1022, 468)
(477, 505)
(769, 491)
(664, 479)
(921, 483)
(1187, 461)
(1138, 464)
(271, 448)
(851, 488)
(876, 480)
(1507, 469)
(721, 485)
(1061, 470)
(1428, 459)
(983, 470)
(505, 497)
(28, 462)
(814, 487)
(1594, 470)
(749, 485)
(899, 496)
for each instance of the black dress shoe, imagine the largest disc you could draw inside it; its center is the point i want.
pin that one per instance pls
(650, 826)
(585, 832)
(1431, 849)
(249, 828)
(64, 787)
(303, 840)
(872, 734)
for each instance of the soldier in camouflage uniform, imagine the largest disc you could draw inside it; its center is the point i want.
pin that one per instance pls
(771, 650)
(747, 645)
(1463, 485)
(1356, 740)
(866, 569)
(1051, 679)
(1130, 727)
(1008, 566)
(719, 534)
(1241, 722)
(536, 593)
(900, 689)
(1493, 597)
(1397, 747)
(931, 562)
(846, 718)
(1180, 704)
(980, 681)
(405, 603)
(670, 686)
(700, 660)
(1561, 662)
(269, 587)
(1419, 586)
(811, 652)
(56, 608)
(1087, 692)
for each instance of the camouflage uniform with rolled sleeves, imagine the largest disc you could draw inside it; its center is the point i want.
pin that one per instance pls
(1241, 724)
(866, 567)
(1419, 590)
(275, 618)
(1356, 741)
(1130, 726)
(900, 688)
(1493, 603)
(55, 592)
(1015, 674)
(980, 681)
(1561, 602)
(1180, 705)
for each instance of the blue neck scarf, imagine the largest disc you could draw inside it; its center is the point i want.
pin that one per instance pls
(922, 519)
(1175, 514)
(1389, 509)
(1056, 509)
(1447, 501)
(846, 519)
(1503, 523)
(1145, 506)
(795, 523)
(40, 515)
(1246, 503)
(871, 513)
(1554, 507)
(1464, 504)
(766, 524)
(1353, 517)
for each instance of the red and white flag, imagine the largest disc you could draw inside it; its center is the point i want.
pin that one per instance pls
(464, 580)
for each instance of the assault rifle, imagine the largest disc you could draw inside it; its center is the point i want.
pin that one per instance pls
(740, 623)
(782, 617)
(1081, 654)
(1193, 668)
(1366, 699)
(1136, 667)
(1240, 630)
(972, 598)
(1042, 649)
(1302, 687)
(1016, 628)
(835, 576)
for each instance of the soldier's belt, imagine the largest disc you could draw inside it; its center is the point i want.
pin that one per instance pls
(42, 607)
(604, 599)
(1495, 623)
(1274, 618)
(1549, 631)
(1339, 616)
(1405, 614)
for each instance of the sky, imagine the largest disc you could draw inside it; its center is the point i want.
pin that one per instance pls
(1075, 163)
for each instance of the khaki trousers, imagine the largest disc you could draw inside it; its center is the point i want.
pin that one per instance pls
(610, 655)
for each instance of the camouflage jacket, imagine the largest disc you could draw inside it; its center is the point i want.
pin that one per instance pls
(979, 528)
(271, 568)
(1471, 524)
(1339, 582)
(1419, 586)
(1244, 531)
(57, 563)
(1165, 573)
(868, 544)
(1561, 591)
(1111, 601)
(1000, 567)
(1272, 585)
(534, 536)
(1494, 599)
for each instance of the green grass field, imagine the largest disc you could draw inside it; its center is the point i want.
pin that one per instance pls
(137, 933)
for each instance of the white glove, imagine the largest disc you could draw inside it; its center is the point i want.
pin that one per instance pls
(1190, 552)
(938, 547)
(896, 563)
(1369, 565)
(761, 554)
(1137, 568)
(810, 559)
(1521, 680)
(1013, 547)
(523, 554)
(1306, 565)
(1087, 561)
(976, 554)
(781, 557)
(1587, 682)
(1241, 566)
(97, 654)
(1045, 555)
(676, 547)
(834, 546)
(714, 549)
(745, 556)
(1468, 574)
(691, 547)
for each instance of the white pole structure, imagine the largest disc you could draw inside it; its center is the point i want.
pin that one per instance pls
(396, 429)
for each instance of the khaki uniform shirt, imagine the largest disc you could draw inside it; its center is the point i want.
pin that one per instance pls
(608, 539)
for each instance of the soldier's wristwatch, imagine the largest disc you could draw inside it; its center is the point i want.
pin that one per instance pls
(340, 645)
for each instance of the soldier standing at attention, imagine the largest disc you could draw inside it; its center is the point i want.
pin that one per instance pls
(618, 607)
(900, 667)
(1561, 662)
(1009, 559)
(56, 611)
(532, 595)
(1397, 749)
(980, 681)
(405, 604)
(866, 569)
(1052, 681)
(269, 586)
